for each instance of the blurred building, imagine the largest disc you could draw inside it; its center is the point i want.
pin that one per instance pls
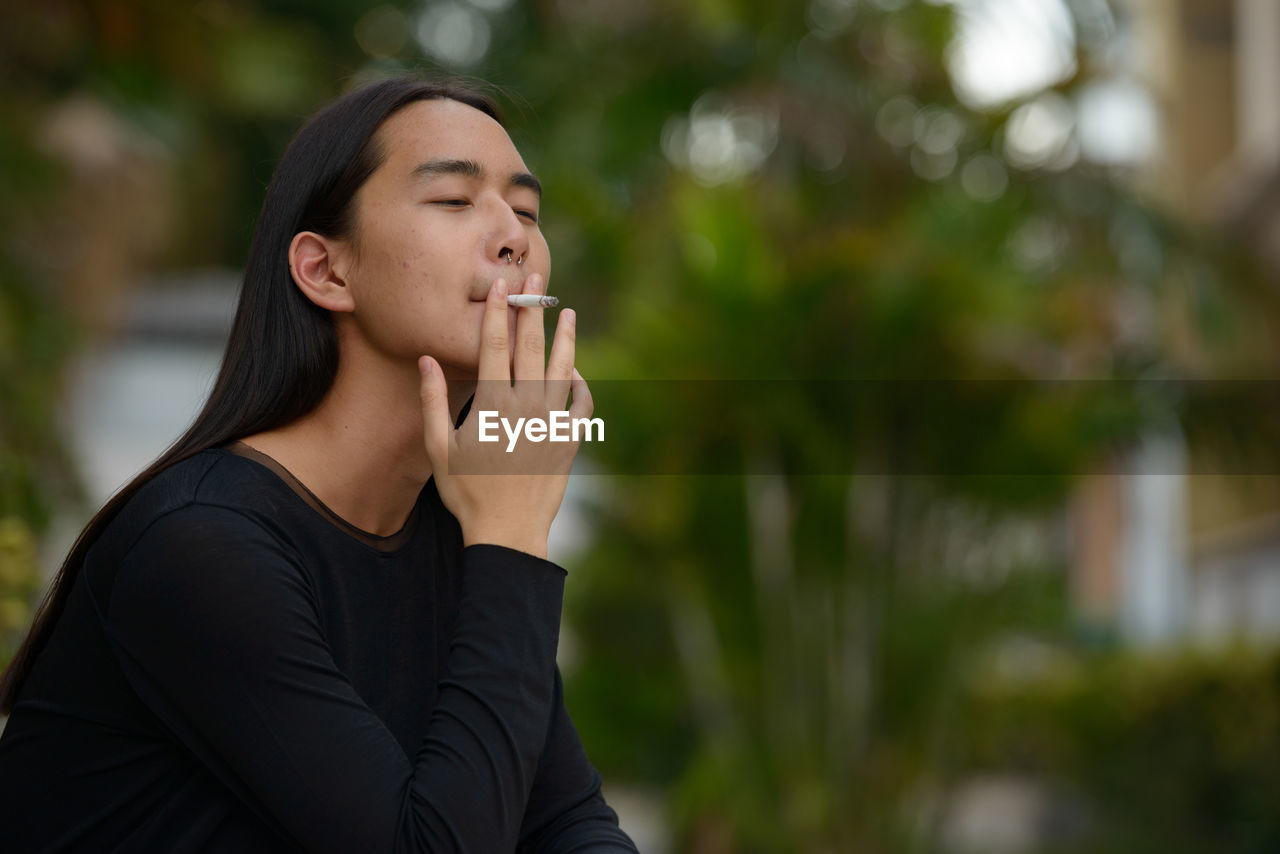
(1214, 68)
(1170, 556)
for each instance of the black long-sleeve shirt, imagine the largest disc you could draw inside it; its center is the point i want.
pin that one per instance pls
(238, 669)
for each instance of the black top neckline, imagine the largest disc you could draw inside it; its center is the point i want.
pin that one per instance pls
(388, 543)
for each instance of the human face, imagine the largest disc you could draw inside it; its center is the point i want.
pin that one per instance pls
(434, 225)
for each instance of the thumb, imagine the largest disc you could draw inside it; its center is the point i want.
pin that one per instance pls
(436, 427)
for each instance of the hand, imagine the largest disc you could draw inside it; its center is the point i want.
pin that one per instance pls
(507, 499)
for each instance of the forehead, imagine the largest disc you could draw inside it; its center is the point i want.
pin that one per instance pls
(443, 128)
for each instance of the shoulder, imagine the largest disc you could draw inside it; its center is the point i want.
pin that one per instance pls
(194, 545)
(212, 509)
(212, 489)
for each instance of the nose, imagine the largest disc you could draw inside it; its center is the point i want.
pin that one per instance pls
(507, 238)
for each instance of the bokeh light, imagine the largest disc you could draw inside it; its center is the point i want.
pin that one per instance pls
(453, 33)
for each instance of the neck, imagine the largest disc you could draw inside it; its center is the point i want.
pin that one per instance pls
(361, 450)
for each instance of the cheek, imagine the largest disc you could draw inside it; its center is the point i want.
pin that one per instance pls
(387, 258)
(543, 252)
(431, 257)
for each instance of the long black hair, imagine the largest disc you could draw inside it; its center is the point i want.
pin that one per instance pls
(282, 354)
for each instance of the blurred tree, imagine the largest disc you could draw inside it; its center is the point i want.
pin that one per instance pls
(100, 99)
(34, 339)
(1177, 755)
(824, 208)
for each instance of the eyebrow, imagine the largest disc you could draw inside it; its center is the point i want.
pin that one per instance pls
(472, 169)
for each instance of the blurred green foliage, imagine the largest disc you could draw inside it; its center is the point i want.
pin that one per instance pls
(1178, 754)
(35, 339)
(763, 191)
(19, 581)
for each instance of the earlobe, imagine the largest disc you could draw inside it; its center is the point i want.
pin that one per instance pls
(313, 265)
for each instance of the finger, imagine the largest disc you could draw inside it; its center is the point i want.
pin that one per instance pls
(437, 429)
(583, 405)
(494, 345)
(560, 364)
(530, 341)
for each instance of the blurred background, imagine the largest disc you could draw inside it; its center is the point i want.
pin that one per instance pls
(815, 648)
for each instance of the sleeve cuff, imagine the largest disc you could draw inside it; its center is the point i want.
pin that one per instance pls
(516, 560)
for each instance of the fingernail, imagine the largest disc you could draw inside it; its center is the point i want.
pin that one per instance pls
(424, 365)
(535, 282)
(500, 286)
(569, 316)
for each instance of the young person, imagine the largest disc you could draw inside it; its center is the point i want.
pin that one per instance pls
(305, 627)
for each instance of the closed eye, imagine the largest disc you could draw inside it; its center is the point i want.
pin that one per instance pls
(531, 216)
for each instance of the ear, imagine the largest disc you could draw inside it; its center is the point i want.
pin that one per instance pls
(314, 263)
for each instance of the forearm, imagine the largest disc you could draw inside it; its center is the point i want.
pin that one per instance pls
(566, 810)
(592, 827)
(477, 764)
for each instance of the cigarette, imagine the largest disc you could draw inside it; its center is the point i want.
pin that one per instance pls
(532, 301)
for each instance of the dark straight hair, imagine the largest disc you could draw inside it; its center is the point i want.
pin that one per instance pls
(282, 353)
